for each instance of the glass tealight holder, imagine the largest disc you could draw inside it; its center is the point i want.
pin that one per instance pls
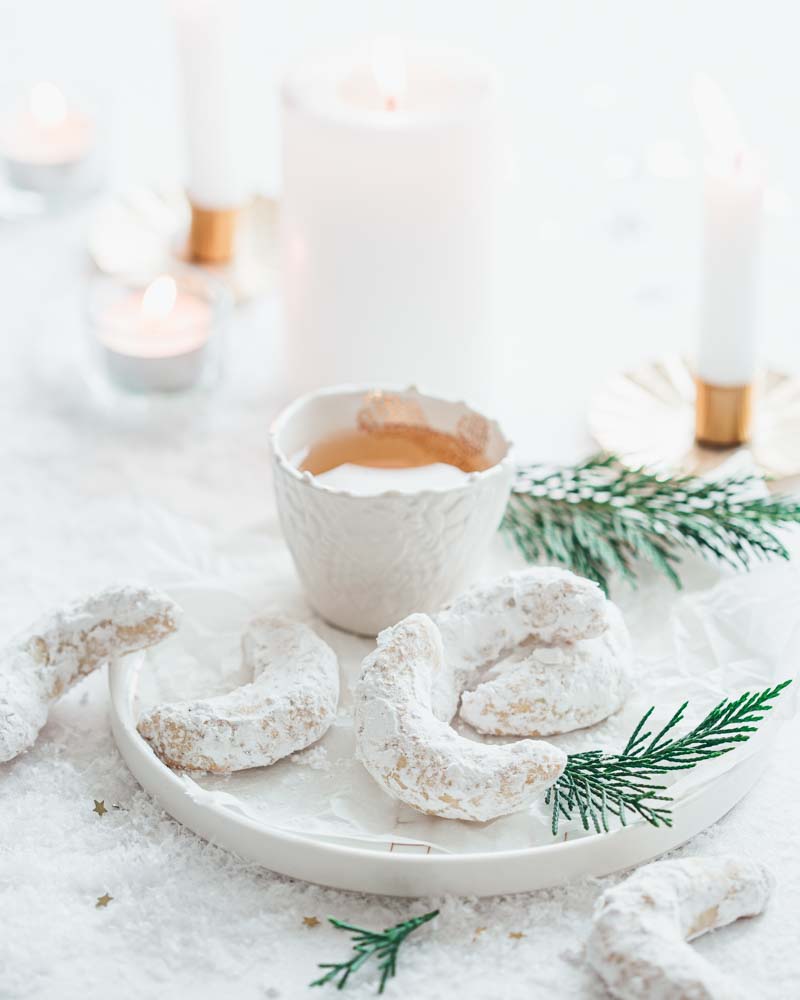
(50, 142)
(161, 334)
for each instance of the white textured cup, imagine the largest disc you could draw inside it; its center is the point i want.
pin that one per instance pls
(368, 561)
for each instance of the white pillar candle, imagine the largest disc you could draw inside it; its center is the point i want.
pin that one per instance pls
(213, 90)
(727, 354)
(387, 218)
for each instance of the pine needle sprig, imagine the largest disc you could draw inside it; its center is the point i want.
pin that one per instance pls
(598, 785)
(383, 945)
(599, 518)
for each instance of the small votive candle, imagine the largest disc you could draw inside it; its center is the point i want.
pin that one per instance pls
(158, 336)
(47, 142)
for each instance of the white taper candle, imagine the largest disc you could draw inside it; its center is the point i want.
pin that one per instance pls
(213, 90)
(727, 351)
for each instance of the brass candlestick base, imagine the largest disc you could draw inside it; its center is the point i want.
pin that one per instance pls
(647, 416)
(723, 414)
(211, 235)
(145, 230)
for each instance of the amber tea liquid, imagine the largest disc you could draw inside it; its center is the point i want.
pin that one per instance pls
(399, 447)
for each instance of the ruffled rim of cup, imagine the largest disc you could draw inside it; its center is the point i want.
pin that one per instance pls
(290, 411)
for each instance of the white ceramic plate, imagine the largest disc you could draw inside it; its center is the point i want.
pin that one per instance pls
(408, 870)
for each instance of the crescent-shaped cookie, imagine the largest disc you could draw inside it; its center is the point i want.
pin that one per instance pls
(290, 704)
(540, 606)
(404, 740)
(66, 645)
(549, 690)
(638, 943)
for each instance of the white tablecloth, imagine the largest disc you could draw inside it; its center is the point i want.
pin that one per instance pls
(92, 491)
(96, 489)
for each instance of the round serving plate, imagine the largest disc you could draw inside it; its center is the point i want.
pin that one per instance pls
(646, 417)
(399, 869)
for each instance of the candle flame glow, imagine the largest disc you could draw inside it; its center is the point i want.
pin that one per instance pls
(48, 105)
(718, 120)
(389, 70)
(159, 298)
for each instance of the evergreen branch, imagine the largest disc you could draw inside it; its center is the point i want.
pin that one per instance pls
(598, 784)
(383, 945)
(599, 518)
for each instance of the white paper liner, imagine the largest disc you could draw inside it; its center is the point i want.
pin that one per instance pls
(742, 633)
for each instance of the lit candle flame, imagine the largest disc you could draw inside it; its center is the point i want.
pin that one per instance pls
(48, 105)
(718, 120)
(159, 298)
(389, 70)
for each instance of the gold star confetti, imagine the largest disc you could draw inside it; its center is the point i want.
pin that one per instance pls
(103, 901)
(310, 922)
(100, 807)
(478, 932)
(516, 935)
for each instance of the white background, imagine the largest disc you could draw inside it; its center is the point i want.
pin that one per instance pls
(598, 272)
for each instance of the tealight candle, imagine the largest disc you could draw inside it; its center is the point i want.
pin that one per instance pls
(727, 351)
(155, 339)
(45, 141)
(389, 169)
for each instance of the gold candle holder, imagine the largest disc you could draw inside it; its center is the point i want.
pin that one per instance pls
(723, 414)
(122, 239)
(211, 234)
(648, 416)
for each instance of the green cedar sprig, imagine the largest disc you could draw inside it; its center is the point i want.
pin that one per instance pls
(598, 785)
(384, 945)
(599, 518)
